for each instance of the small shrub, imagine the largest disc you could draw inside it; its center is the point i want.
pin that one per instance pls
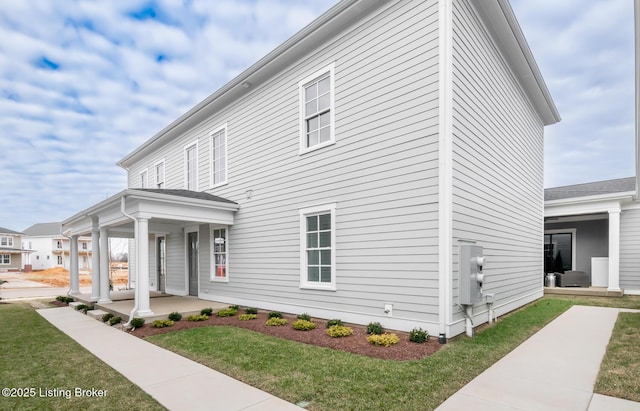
(68, 300)
(60, 298)
(304, 316)
(114, 320)
(251, 310)
(64, 299)
(175, 316)
(333, 322)
(234, 307)
(337, 331)
(162, 323)
(81, 307)
(136, 322)
(228, 312)
(385, 340)
(275, 314)
(196, 317)
(418, 335)
(275, 322)
(375, 328)
(206, 311)
(107, 317)
(303, 325)
(247, 317)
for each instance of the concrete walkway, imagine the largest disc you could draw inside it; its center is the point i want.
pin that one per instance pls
(555, 369)
(174, 381)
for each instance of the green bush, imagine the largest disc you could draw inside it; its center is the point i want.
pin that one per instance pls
(337, 331)
(385, 340)
(418, 335)
(375, 328)
(275, 322)
(206, 311)
(107, 317)
(114, 320)
(234, 307)
(136, 322)
(304, 316)
(81, 307)
(64, 299)
(196, 317)
(247, 317)
(175, 316)
(333, 322)
(162, 323)
(251, 310)
(303, 325)
(275, 314)
(228, 312)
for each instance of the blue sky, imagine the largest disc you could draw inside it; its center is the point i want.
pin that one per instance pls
(82, 83)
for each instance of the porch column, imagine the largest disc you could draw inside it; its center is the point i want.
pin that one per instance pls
(95, 261)
(74, 277)
(614, 250)
(142, 268)
(104, 267)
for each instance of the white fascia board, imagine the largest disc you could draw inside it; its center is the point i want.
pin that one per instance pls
(620, 197)
(560, 210)
(171, 199)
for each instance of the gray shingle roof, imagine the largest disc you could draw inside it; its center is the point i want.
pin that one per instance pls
(187, 193)
(43, 229)
(619, 185)
(7, 231)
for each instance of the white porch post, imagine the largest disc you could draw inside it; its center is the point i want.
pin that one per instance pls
(614, 250)
(74, 272)
(95, 260)
(142, 262)
(104, 267)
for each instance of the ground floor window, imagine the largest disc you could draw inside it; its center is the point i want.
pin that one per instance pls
(317, 229)
(558, 252)
(5, 259)
(219, 249)
(59, 260)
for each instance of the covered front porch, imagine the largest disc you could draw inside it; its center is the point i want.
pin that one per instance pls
(163, 227)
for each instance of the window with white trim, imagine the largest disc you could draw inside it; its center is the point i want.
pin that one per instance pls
(191, 167)
(6, 241)
(59, 260)
(5, 259)
(59, 245)
(219, 249)
(317, 110)
(143, 179)
(219, 157)
(160, 174)
(84, 246)
(317, 229)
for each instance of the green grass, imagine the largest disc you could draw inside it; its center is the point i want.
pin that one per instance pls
(35, 354)
(335, 380)
(620, 369)
(627, 301)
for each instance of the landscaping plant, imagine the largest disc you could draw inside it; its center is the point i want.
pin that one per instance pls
(375, 328)
(175, 316)
(275, 322)
(115, 320)
(303, 325)
(333, 322)
(247, 317)
(227, 312)
(337, 331)
(418, 335)
(196, 317)
(275, 314)
(136, 322)
(107, 317)
(385, 340)
(304, 316)
(206, 311)
(162, 323)
(250, 310)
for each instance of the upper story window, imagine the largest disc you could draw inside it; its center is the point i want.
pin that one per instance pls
(143, 179)
(84, 246)
(219, 156)
(59, 244)
(191, 167)
(317, 110)
(6, 241)
(318, 264)
(160, 174)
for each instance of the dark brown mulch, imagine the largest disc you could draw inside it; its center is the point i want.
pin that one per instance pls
(356, 343)
(57, 303)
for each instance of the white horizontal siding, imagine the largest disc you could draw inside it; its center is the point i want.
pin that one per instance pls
(498, 164)
(630, 250)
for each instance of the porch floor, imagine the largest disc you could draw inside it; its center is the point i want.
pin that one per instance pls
(586, 291)
(161, 304)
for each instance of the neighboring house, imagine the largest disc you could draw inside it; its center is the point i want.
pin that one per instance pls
(594, 228)
(340, 174)
(51, 248)
(12, 254)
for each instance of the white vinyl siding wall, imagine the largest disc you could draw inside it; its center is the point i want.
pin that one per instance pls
(498, 165)
(630, 250)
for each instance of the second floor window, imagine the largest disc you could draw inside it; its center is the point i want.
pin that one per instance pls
(317, 110)
(84, 246)
(58, 245)
(143, 179)
(6, 241)
(219, 157)
(191, 167)
(160, 175)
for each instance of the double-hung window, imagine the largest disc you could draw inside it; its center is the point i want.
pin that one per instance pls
(219, 249)
(219, 156)
(317, 251)
(6, 241)
(191, 167)
(317, 111)
(143, 179)
(160, 174)
(5, 259)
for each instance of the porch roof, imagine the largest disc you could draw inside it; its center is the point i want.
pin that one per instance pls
(161, 205)
(598, 188)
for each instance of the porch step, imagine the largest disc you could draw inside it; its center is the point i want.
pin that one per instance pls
(97, 314)
(584, 291)
(75, 304)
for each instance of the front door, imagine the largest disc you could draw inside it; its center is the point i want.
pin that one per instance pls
(192, 261)
(161, 250)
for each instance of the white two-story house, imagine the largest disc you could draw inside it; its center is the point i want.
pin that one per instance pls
(12, 254)
(340, 173)
(51, 248)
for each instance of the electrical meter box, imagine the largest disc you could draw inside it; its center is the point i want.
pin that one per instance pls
(470, 276)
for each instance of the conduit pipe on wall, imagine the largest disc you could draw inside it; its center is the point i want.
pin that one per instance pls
(135, 235)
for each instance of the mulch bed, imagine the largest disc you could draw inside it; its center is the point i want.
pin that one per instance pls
(57, 303)
(356, 343)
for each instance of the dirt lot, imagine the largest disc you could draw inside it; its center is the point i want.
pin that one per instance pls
(59, 277)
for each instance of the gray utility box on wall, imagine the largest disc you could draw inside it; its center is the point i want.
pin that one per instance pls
(470, 276)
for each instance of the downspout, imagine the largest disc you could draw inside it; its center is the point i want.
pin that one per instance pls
(637, 91)
(135, 231)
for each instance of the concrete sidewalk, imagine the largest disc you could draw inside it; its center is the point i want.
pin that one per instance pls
(174, 381)
(555, 369)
